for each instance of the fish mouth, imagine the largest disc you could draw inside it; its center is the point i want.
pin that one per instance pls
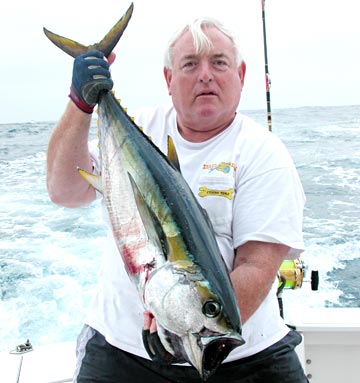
(204, 350)
(206, 353)
(215, 352)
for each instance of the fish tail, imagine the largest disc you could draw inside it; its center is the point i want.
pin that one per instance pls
(106, 45)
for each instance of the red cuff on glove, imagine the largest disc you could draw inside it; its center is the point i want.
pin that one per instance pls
(74, 96)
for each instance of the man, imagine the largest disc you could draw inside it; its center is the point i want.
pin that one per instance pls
(257, 226)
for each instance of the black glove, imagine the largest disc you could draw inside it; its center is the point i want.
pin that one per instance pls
(91, 75)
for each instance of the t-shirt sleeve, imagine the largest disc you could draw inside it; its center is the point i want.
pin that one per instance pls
(269, 202)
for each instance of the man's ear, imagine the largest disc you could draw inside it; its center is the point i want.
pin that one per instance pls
(242, 71)
(168, 77)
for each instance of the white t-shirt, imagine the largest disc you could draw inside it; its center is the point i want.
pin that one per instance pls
(247, 182)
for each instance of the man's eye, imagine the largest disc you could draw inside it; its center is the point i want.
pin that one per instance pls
(220, 64)
(189, 64)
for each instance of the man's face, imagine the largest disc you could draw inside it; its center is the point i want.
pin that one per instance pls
(206, 87)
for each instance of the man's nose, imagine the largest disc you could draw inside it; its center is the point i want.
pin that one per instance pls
(205, 72)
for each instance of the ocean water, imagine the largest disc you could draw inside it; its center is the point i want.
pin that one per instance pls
(49, 255)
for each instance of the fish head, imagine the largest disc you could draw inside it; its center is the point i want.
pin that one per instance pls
(192, 320)
(204, 350)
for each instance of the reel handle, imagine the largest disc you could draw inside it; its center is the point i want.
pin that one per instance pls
(314, 280)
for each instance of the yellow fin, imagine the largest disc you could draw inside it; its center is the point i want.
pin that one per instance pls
(172, 155)
(151, 222)
(91, 179)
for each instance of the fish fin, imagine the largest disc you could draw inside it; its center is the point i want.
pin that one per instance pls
(106, 45)
(91, 179)
(156, 350)
(171, 154)
(150, 220)
(71, 47)
(207, 219)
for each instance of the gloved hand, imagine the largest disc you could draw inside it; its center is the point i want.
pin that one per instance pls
(91, 75)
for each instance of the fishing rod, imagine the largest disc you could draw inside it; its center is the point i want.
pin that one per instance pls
(292, 272)
(267, 76)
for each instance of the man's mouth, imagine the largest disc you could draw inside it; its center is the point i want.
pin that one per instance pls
(206, 93)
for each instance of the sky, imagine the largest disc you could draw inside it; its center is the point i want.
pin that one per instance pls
(313, 51)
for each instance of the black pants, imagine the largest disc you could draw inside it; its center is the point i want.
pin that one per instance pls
(101, 362)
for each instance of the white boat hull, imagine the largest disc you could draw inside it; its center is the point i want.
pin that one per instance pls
(330, 352)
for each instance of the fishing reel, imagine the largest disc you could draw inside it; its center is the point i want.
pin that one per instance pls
(291, 276)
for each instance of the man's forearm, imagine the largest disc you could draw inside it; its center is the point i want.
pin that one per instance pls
(255, 268)
(67, 150)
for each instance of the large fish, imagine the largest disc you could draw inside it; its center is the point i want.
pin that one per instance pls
(163, 235)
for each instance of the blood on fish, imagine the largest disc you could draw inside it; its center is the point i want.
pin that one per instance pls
(129, 252)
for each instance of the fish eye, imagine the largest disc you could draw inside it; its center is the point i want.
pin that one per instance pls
(211, 309)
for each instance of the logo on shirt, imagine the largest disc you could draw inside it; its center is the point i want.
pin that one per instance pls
(206, 192)
(223, 167)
